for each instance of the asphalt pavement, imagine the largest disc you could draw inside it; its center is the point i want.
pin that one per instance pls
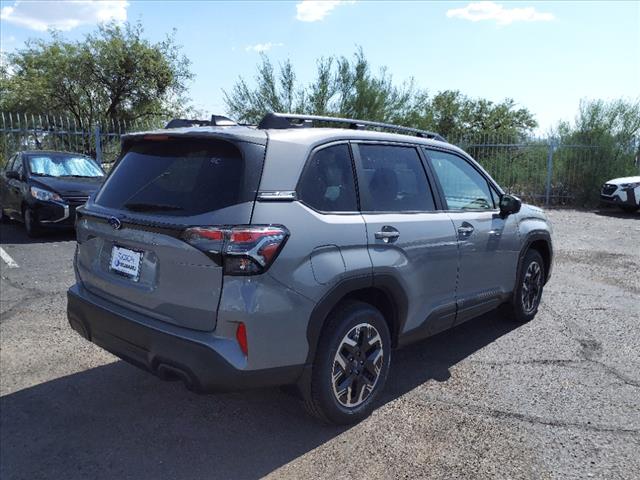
(556, 398)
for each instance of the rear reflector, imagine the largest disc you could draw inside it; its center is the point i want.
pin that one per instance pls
(241, 336)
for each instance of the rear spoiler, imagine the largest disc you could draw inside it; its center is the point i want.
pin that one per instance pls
(216, 121)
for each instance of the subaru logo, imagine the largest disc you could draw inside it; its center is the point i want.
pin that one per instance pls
(115, 223)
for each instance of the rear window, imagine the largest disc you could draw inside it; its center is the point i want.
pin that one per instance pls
(327, 182)
(180, 177)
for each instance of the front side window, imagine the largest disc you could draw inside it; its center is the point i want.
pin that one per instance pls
(327, 182)
(464, 187)
(60, 165)
(394, 180)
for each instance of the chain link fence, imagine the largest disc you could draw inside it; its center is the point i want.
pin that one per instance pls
(547, 171)
(542, 171)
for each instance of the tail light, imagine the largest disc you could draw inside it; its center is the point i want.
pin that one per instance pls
(242, 249)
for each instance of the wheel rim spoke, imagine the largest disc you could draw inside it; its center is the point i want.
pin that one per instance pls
(342, 361)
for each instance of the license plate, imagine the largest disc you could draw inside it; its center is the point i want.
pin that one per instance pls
(126, 262)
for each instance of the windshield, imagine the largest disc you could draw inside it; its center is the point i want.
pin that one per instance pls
(58, 165)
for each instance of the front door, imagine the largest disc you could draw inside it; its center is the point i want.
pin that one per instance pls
(488, 243)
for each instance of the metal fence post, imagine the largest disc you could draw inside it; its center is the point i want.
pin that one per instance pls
(547, 196)
(98, 145)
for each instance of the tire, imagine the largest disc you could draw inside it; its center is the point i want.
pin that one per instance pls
(349, 327)
(31, 225)
(530, 283)
(4, 218)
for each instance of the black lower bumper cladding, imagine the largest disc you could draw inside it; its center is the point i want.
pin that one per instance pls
(199, 366)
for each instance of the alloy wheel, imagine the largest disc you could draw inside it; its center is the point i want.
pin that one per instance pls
(531, 287)
(357, 365)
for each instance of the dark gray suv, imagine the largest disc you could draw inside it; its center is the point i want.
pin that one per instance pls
(232, 256)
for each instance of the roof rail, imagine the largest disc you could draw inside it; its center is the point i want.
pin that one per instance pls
(283, 121)
(216, 121)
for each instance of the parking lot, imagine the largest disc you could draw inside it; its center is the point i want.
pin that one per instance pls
(556, 398)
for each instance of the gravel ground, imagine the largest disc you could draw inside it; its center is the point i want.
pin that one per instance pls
(556, 398)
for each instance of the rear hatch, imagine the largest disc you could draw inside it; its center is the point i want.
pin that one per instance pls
(131, 247)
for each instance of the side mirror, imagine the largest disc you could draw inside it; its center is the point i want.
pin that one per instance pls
(509, 204)
(12, 174)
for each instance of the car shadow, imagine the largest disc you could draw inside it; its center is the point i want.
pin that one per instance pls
(14, 233)
(115, 421)
(618, 213)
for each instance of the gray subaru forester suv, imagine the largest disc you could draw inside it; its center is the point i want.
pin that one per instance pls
(233, 256)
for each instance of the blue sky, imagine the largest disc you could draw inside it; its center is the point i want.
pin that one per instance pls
(545, 55)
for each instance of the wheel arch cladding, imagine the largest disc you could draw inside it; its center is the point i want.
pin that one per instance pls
(539, 241)
(382, 291)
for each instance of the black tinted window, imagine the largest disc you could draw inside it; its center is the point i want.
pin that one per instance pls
(394, 180)
(464, 187)
(177, 177)
(327, 181)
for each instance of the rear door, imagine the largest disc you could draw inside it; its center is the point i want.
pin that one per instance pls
(408, 237)
(489, 244)
(130, 245)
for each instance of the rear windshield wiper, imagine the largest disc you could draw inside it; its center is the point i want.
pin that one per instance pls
(151, 207)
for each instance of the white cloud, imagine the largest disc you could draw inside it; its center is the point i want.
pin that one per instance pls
(316, 10)
(262, 47)
(63, 15)
(477, 11)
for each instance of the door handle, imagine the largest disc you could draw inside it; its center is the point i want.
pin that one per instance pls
(465, 230)
(387, 234)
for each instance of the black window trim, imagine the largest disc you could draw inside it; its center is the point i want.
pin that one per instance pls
(490, 182)
(312, 153)
(427, 171)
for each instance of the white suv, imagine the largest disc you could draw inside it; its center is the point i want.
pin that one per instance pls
(623, 192)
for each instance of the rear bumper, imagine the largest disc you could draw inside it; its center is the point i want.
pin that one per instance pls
(205, 363)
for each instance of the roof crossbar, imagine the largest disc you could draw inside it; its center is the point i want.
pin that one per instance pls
(283, 121)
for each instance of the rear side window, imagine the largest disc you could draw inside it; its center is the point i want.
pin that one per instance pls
(464, 187)
(394, 180)
(177, 177)
(327, 182)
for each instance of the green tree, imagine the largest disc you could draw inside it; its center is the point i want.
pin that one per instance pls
(606, 139)
(114, 74)
(349, 87)
(342, 87)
